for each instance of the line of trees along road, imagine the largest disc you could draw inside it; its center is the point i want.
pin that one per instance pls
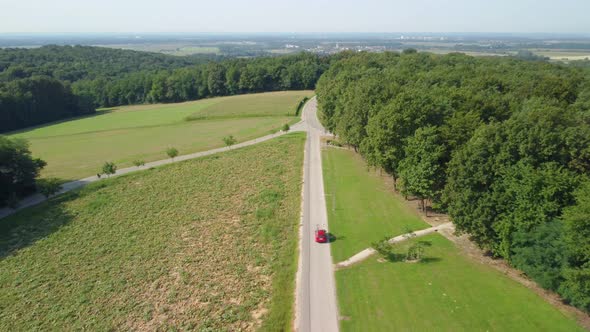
(56, 82)
(502, 144)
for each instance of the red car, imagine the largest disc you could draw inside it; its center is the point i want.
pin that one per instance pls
(321, 236)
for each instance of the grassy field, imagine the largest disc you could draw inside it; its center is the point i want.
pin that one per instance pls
(563, 54)
(361, 204)
(446, 291)
(207, 244)
(78, 148)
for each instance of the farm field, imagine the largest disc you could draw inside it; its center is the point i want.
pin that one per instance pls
(563, 54)
(78, 148)
(362, 204)
(446, 291)
(205, 244)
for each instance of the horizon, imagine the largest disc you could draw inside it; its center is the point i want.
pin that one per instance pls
(304, 16)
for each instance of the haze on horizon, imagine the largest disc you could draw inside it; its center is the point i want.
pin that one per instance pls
(519, 16)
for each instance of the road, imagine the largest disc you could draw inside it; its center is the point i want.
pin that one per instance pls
(316, 308)
(38, 198)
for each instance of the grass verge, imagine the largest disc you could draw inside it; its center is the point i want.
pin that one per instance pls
(361, 209)
(206, 244)
(446, 291)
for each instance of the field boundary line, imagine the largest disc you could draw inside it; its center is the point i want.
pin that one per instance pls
(38, 198)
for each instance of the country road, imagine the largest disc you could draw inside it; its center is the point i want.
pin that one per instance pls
(316, 308)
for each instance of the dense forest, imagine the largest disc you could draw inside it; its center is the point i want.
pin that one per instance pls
(56, 82)
(501, 144)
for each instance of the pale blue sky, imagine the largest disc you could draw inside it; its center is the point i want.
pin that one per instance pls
(559, 16)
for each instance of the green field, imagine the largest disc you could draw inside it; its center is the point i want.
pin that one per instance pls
(446, 291)
(363, 206)
(207, 244)
(78, 148)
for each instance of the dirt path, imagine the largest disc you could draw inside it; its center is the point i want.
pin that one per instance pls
(361, 256)
(68, 186)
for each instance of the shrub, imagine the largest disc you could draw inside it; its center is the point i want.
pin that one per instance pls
(48, 187)
(109, 168)
(172, 152)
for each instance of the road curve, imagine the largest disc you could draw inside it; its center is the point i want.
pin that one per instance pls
(316, 308)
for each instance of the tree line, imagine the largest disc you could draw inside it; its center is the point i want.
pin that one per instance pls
(56, 82)
(501, 144)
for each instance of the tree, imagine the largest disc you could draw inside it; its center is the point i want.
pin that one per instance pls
(138, 163)
(172, 152)
(229, 140)
(285, 127)
(421, 171)
(416, 251)
(109, 168)
(541, 253)
(49, 187)
(18, 169)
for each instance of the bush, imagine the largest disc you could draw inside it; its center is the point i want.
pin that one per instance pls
(285, 127)
(18, 170)
(540, 253)
(109, 168)
(172, 152)
(230, 140)
(138, 163)
(48, 187)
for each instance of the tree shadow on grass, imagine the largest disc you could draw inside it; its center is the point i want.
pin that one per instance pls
(429, 260)
(27, 226)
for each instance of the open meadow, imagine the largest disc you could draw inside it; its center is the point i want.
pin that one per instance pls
(365, 210)
(77, 148)
(445, 291)
(208, 244)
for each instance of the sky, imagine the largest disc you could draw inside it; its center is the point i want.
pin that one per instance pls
(525, 16)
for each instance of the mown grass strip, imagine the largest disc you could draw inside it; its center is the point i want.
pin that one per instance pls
(445, 291)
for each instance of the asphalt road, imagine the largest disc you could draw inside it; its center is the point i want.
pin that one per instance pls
(316, 308)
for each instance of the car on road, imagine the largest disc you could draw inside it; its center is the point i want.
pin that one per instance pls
(321, 236)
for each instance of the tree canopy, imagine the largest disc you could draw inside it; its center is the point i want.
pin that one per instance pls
(501, 144)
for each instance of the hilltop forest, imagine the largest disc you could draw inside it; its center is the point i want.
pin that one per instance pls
(502, 145)
(57, 82)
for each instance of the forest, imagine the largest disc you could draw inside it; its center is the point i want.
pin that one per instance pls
(501, 144)
(57, 82)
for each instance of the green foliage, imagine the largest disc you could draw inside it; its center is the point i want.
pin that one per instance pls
(421, 169)
(416, 250)
(109, 168)
(285, 127)
(229, 140)
(138, 163)
(540, 253)
(172, 152)
(18, 170)
(576, 287)
(500, 143)
(48, 187)
(56, 82)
